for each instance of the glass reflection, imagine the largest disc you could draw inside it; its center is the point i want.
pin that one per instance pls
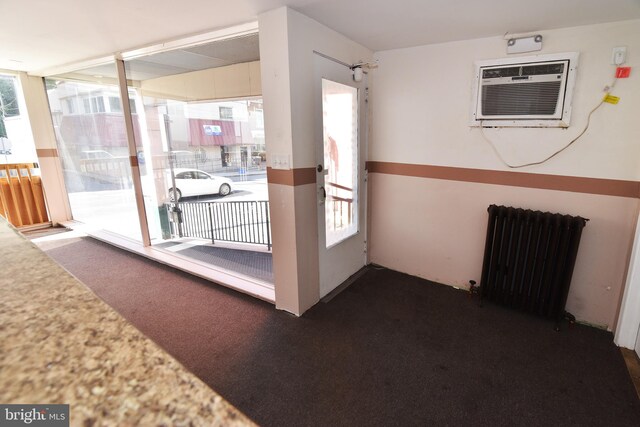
(340, 133)
(92, 145)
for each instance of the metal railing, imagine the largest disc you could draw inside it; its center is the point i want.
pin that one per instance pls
(340, 207)
(240, 222)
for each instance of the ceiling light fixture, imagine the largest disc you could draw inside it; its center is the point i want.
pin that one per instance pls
(524, 44)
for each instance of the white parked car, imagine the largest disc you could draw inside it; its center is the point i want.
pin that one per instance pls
(96, 154)
(194, 182)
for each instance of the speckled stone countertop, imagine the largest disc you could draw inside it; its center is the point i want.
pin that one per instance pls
(59, 343)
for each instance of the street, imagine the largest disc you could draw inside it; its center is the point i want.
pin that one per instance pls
(240, 191)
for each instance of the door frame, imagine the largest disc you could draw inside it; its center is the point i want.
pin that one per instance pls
(628, 328)
(358, 241)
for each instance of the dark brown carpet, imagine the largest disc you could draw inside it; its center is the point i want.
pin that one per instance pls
(390, 350)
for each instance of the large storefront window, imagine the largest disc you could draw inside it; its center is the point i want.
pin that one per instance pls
(16, 141)
(22, 200)
(189, 177)
(202, 161)
(92, 145)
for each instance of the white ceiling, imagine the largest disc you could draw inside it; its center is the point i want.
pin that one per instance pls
(211, 55)
(39, 34)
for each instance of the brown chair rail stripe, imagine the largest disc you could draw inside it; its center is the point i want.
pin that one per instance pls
(299, 176)
(607, 187)
(46, 152)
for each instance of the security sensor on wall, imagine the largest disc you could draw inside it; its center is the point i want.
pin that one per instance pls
(358, 69)
(358, 73)
(524, 44)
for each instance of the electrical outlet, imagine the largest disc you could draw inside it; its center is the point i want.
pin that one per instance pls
(619, 55)
(280, 161)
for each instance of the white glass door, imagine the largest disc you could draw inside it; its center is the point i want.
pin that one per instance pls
(340, 170)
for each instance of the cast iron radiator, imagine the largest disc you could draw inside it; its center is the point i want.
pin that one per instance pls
(529, 258)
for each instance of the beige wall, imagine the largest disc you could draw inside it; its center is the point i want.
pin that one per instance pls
(421, 107)
(440, 235)
(435, 228)
(287, 42)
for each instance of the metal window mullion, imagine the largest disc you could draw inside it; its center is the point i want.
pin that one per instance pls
(133, 153)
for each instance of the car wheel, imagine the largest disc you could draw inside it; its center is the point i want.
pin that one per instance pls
(225, 189)
(174, 196)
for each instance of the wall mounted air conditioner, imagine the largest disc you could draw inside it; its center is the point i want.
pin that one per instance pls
(533, 91)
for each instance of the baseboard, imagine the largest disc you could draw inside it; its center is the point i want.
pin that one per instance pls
(344, 285)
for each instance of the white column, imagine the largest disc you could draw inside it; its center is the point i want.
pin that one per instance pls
(37, 103)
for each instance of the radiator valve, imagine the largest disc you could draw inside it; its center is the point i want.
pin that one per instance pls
(473, 288)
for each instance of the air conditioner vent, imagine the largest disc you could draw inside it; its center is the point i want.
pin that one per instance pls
(525, 92)
(495, 73)
(536, 70)
(531, 99)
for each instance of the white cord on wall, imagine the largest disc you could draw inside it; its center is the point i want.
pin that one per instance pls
(555, 153)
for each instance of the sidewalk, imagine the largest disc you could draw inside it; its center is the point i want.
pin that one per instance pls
(236, 174)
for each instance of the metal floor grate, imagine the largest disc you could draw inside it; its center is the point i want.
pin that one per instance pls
(253, 264)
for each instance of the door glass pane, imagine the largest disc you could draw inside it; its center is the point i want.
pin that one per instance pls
(92, 145)
(340, 138)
